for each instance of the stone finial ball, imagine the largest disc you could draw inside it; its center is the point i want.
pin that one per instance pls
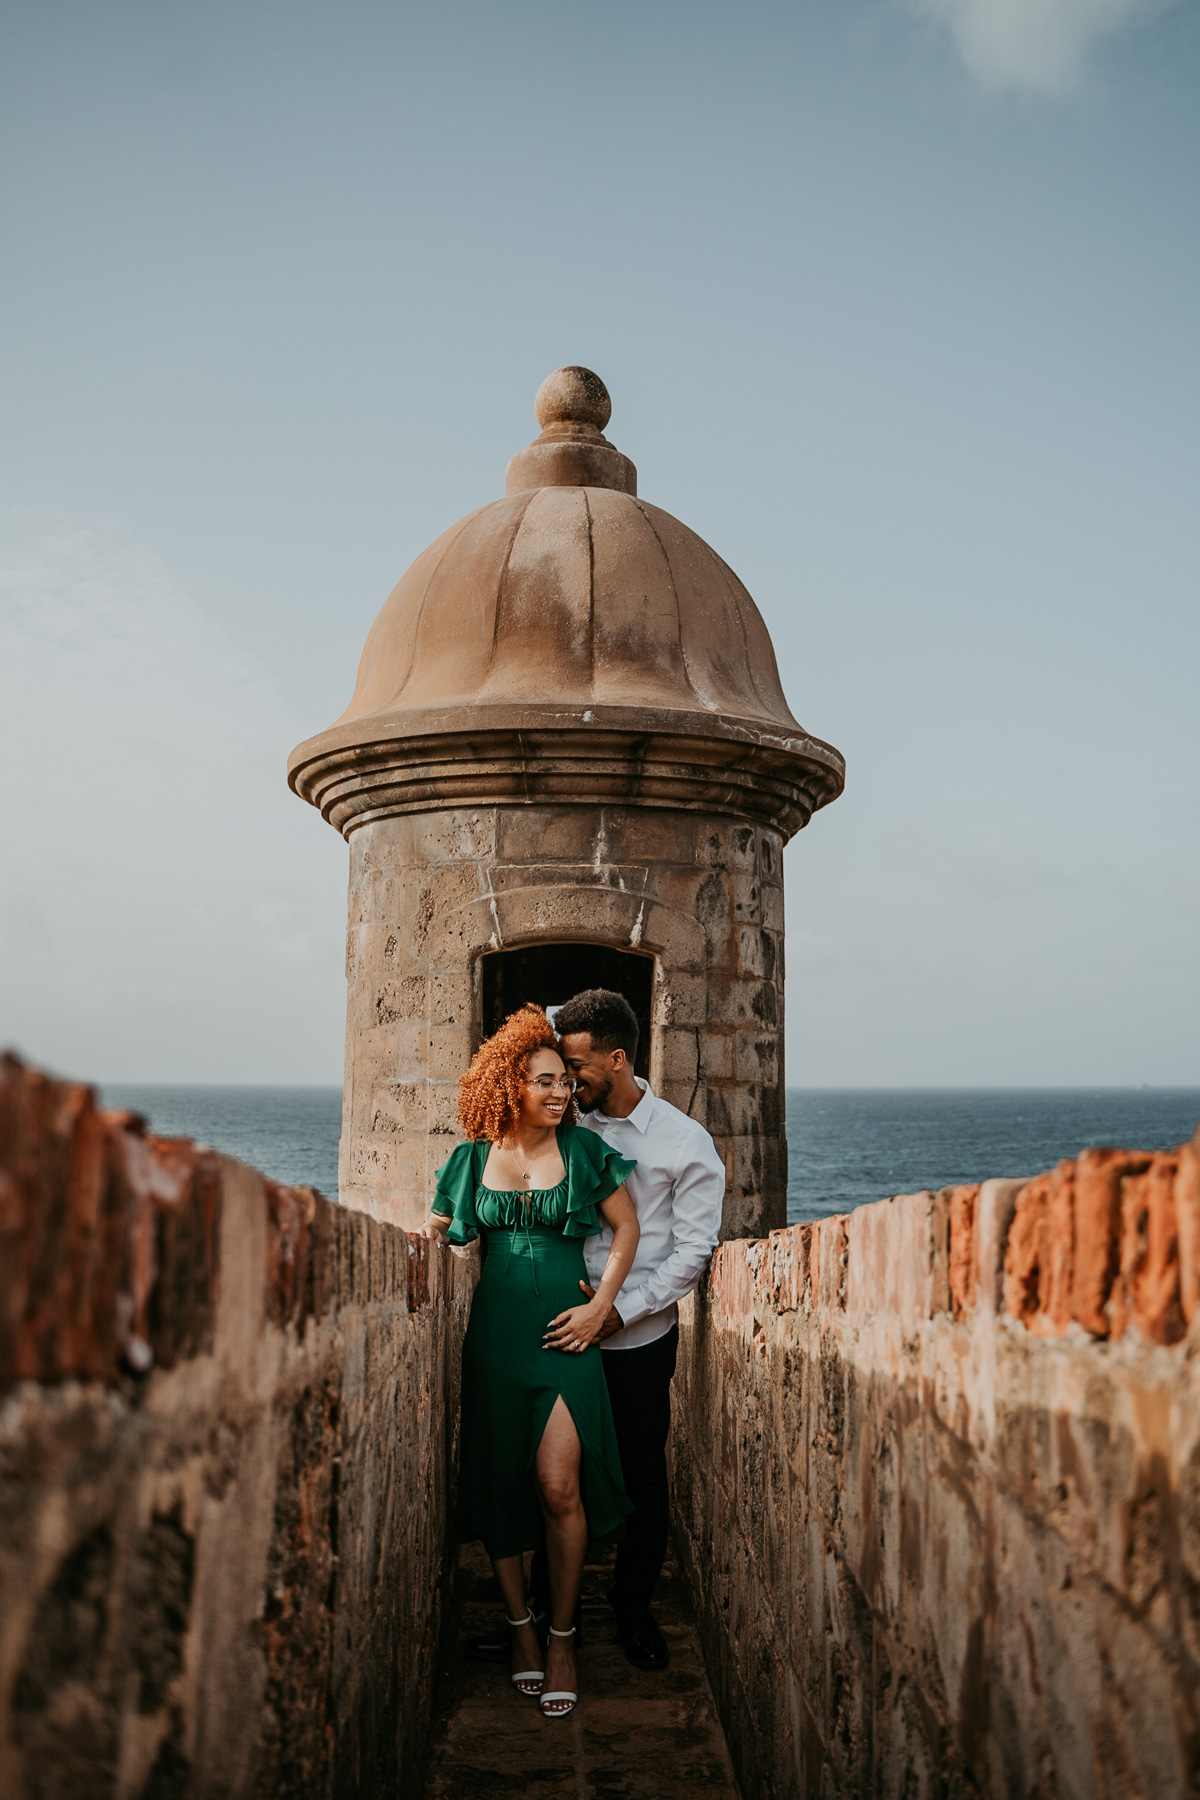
(573, 396)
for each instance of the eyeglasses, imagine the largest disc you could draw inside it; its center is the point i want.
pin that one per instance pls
(546, 1084)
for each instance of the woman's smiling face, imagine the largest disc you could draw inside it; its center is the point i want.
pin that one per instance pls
(544, 1097)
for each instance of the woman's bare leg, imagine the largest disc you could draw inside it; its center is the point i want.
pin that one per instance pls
(510, 1573)
(557, 1469)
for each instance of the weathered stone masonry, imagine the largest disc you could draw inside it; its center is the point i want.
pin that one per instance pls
(225, 1430)
(937, 1471)
(429, 896)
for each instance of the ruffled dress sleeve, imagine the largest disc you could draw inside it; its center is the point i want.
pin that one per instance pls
(454, 1191)
(594, 1171)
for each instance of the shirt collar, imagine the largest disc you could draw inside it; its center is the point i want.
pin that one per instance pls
(642, 1113)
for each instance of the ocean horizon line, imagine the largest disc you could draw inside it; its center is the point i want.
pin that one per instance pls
(799, 1087)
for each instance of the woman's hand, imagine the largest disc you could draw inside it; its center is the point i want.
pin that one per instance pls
(614, 1321)
(434, 1227)
(580, 1326)
(577, 1328)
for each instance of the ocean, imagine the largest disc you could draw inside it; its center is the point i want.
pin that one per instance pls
(845, 1145)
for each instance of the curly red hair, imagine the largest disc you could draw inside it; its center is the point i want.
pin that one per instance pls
(489, 1094)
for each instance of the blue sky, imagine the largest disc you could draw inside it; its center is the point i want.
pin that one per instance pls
(896, 302)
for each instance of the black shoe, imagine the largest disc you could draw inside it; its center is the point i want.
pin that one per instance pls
(642, 1641)
(496, 1646)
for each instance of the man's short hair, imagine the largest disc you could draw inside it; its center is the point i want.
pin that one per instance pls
(608, 1019)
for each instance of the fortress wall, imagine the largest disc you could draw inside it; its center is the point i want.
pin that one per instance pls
(937, 1474)
(937, 1479)
(225, 1415)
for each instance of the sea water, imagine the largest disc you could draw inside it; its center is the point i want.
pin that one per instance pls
(290, 1133)
(845, 1145)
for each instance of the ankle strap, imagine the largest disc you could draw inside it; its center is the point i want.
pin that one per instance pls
(527, 1620)
(554, 1633)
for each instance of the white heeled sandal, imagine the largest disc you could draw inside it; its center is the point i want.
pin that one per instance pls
(559, 1694)
(524, 1679)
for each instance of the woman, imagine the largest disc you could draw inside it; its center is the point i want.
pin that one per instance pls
(539, 1457)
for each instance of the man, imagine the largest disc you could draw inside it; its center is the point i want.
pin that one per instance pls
(678, 1189)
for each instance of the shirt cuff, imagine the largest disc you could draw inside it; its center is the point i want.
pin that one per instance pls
(632, 1305)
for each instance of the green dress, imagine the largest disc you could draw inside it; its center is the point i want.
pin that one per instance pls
(531, 1271)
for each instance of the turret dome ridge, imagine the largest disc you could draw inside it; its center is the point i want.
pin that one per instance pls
(572, 606)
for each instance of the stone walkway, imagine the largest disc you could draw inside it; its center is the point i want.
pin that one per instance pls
(633, 1736)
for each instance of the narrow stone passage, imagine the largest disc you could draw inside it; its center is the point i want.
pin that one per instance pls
(633, 1736)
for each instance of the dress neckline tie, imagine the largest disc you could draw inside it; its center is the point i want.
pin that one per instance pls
(524, 1217)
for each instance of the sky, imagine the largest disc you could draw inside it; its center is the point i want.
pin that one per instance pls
(896, 301)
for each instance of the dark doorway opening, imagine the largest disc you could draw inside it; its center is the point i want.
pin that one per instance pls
(549, 974)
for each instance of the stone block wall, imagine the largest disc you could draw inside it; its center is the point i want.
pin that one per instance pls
(432, 893)
(937, 1480)
(226, 1411)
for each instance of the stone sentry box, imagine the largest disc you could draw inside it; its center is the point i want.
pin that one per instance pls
(568, 762)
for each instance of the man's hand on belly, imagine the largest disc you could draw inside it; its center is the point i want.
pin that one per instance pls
(614, 1321)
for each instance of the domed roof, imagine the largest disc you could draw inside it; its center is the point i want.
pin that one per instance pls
(570, 605)
(570, 597)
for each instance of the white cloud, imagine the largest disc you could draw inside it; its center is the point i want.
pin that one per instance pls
(168, 910)
(1036, 44)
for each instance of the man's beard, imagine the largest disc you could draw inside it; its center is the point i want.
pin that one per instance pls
(599, 1096)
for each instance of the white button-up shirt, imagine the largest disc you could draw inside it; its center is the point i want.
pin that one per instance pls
(678, 1189)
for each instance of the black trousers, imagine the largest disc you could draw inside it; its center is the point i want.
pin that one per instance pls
(639, 1391)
